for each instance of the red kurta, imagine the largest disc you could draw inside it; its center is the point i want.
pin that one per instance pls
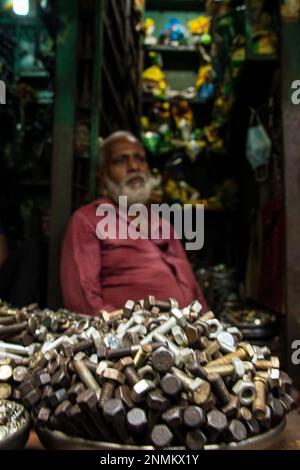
(102, 274)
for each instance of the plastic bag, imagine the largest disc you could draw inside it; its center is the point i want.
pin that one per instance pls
(258, 147)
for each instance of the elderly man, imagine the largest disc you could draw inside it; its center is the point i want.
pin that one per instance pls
(102, 273)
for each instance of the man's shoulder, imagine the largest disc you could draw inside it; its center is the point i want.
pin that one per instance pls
(88, 212)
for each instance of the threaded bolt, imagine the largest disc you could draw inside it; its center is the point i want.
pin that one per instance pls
(107, 392)
(219, 388)
(259, 404)
(87, 345)
(263, 364)
(224, 370)
(240, 353)
(131, 376)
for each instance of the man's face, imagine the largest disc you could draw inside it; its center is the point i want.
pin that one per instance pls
(127, 161)
(127, 171)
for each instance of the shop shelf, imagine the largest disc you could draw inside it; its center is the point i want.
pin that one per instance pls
(177, 5)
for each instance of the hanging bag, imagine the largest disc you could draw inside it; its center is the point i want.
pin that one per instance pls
(258, 148)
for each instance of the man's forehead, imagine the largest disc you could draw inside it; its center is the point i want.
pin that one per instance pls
(124, 144)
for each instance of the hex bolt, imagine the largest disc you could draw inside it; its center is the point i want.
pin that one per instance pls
(126, 366)
(173, 348)
(219, 388)
(161, 436)
(115, 414)
(19, 373)
(272, 363)
(244, 414)
(288, 402)
(194, 417)
(191, 385)
(10, 330)
(212, 348)
(62, 414)
(60, 380)
(43, 378)
(157, 404)
(227, 370)
(266, 421)
(149, 302)
(124, 393)
(142, 355)
(57, 397)
(285, 383)
(171, 385)
(137, 421)
(162, 360)
(243, 352)
(216, 424)
(236, 431)
(259, 404)
(173, 418)
(163, 329)
(14, 348)
(88, 403)
(195, 440)
(31, 398)
(232, 408)
(128, 308)
(203, 358)
(252, 426)
(277, 410)
(85, 375)
(88, 345)
(196, 369)
(43, 417)
(84, 425)
(179, 336)
(110, 379)
(203, 397)
(193, 333)
(18, 360)
(141, 389)
(74, 391)
(122, 352)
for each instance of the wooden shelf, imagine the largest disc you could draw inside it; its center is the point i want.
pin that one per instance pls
(177, 5)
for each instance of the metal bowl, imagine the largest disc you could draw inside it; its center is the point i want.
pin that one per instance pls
(56, 440)
(18, 440)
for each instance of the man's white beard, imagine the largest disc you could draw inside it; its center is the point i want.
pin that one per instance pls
(134, 196)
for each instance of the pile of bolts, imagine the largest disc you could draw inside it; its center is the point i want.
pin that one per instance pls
(147, 374)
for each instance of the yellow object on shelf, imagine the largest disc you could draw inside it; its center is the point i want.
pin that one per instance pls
(200, 25)
(204, 73)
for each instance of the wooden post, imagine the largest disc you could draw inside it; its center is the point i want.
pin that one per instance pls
(63, 139)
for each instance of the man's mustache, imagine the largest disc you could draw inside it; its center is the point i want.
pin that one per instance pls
(134, 175)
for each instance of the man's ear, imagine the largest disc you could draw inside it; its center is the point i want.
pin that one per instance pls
(102, 182)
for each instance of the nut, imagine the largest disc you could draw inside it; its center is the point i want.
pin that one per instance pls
(215, 328)
(245, 391)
